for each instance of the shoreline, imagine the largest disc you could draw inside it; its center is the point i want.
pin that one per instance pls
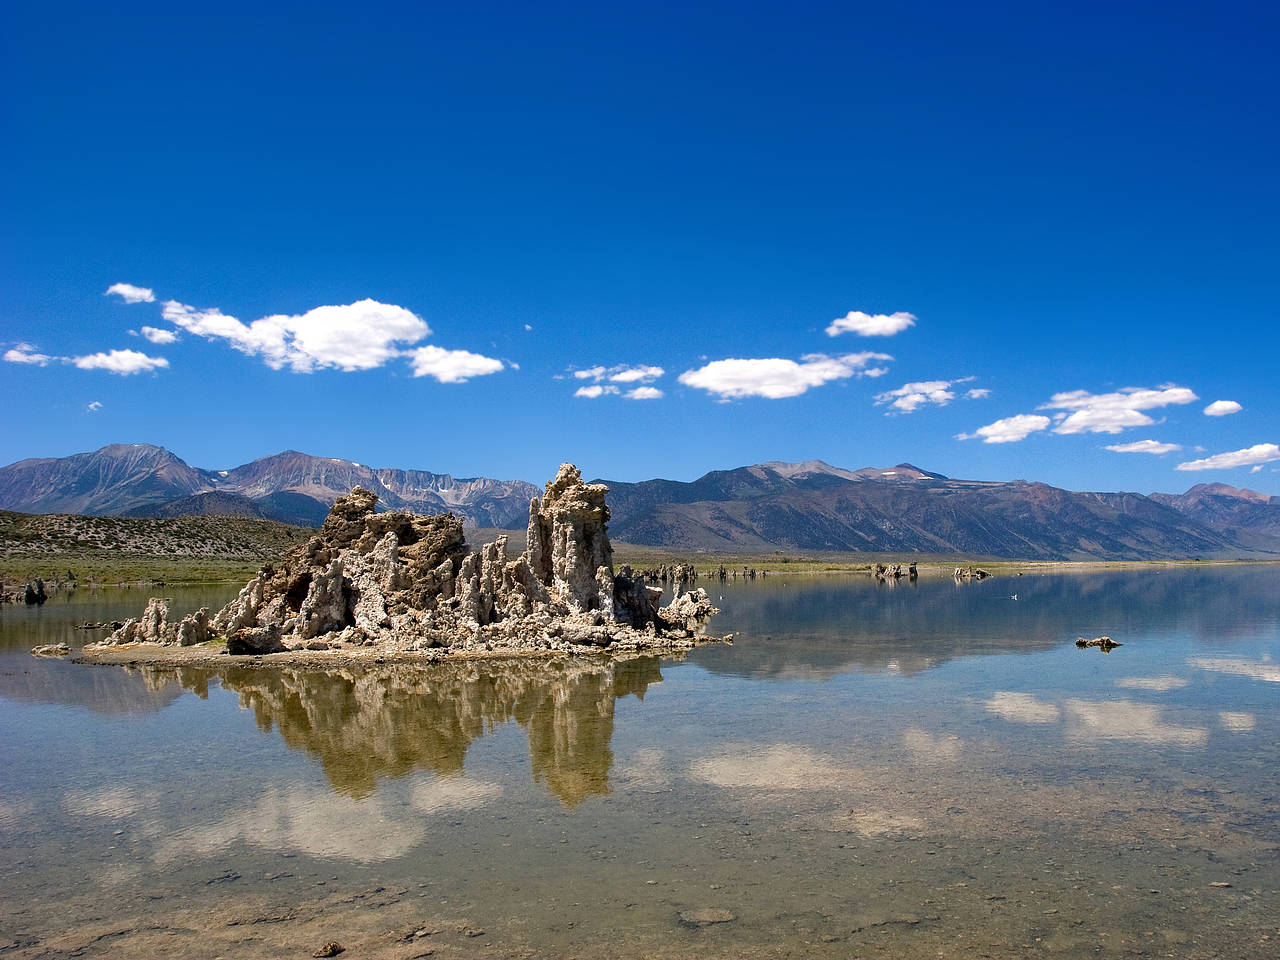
(803, 567)
(214, 654)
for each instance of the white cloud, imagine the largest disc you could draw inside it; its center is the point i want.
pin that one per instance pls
(870, 324)
(94, 406)
(1113, 412)
(776, 377)
(1257, 469)
(1144, 446)
(1222, 408)
(1259, 453)
(131, 294)
(451, 366)
(122, 362)
(594, 390)
(644, 393)
(910, 396)
(156, 335)
(978, 393)
(356, 336)
(636, 374)
(1008, 430)
(528, 326)
(621, 373)
(26, 353)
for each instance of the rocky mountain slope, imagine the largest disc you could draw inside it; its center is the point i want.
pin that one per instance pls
(145, 480)
(906, 509)
(1245, 516)
(760, 508)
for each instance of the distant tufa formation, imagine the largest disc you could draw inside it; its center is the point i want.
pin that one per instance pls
(402, 582)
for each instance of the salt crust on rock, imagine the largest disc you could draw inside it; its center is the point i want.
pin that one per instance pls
(399, 582)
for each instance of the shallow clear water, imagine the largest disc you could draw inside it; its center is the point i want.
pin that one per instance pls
(868, 771)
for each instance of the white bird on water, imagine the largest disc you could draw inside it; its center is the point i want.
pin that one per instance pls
(1014, 597)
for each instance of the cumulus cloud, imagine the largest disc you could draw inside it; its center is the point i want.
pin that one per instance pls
(1087, 412)
(156, 335)
(1144, 446)
(26, 353)
(644, 393)
(1008, 430)
(870, 324)
(451, 366)
(776, 377)
(357, 336)
(131, 294)
(978, 393)
(94, 406)
(122, 362)
(911, 396)
(1259, 453)
(1222, 408)
(594, 390)
(591, 373)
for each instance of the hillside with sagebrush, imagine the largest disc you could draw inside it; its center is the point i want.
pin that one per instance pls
(124, 549)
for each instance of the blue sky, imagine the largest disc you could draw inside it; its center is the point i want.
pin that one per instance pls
(1075, 205)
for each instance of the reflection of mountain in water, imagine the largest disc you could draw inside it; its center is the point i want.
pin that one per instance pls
(387, 721)
(809, 627)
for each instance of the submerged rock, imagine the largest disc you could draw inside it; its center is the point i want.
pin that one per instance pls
(402, 582)
(51, 650)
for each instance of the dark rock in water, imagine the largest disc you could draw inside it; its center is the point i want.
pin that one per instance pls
(35, 594)
(1105, 644)
(253, 641)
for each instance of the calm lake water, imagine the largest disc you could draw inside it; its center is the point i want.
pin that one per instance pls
(867, 772)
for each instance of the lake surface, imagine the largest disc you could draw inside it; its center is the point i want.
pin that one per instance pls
(867, 772)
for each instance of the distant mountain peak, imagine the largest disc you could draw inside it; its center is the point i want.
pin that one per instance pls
(1226, 490)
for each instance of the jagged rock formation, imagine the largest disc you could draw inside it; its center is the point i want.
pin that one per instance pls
(402, 582)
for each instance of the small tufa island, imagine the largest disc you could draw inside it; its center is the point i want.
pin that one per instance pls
(401, 584)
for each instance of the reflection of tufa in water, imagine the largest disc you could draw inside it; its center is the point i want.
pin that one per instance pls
(398, 582)
(364, 723)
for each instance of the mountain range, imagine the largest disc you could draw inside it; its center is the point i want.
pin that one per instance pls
(141, 480)
(759, 508)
